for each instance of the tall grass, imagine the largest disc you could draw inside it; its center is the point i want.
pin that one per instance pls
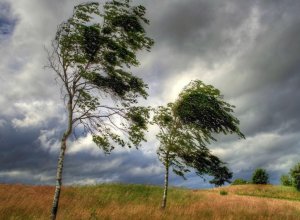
(119, 201)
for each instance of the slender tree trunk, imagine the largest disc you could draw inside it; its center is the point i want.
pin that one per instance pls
(60, 163)
(164, 200)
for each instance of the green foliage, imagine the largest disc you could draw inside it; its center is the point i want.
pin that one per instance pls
(203, 106)
(223, 193)
(295, 175)
(260, 176)
(91, 42)
(93, 52)
(239, 181)
(138, 117)
(286, 180)
(221, 174)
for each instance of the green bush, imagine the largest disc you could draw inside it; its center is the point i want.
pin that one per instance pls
(295, 174)
(239, 181)
(260, 176)
(223, 193)
(286, 180)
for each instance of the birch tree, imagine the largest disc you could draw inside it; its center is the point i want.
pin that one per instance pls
(187, 126)
(92, 54)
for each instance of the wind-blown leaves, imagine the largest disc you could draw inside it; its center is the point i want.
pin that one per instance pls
(203, 106)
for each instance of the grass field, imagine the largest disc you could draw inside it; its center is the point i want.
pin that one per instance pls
(119, 201)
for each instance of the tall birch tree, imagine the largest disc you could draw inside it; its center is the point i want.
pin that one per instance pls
(92, 54)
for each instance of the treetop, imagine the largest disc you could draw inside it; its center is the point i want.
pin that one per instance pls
(203, 106)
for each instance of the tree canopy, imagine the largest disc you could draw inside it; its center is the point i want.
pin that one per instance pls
(295, 176)
(202, 106)
(260, 176)
(187, 126)
(92, 55)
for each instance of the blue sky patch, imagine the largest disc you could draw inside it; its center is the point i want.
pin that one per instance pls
(7, 20)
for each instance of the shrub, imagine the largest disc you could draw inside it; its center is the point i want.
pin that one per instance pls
(239, 182)
(223, 193)
(286, 180)
(260, 176)
(295, 174)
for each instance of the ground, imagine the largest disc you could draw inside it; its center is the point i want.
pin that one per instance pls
(120, 201)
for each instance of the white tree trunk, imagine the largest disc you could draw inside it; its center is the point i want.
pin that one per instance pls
(164, 201)
(60, 164)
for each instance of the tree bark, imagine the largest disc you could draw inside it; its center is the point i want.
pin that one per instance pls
(164, 200)
(60, 163)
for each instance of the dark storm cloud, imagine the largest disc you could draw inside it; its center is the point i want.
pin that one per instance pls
(268, 75)
(25, 160)
(21, 156)
(193, 30)
(7, 21)
(133, 167)
(199, 27)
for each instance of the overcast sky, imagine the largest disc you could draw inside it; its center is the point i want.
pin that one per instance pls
(250, 50)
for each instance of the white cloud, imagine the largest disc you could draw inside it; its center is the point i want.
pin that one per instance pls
(84, 144)
(93, 181)
(48, 140)
(14, 173)
(25, 174)
(35, 113)
(152, 169)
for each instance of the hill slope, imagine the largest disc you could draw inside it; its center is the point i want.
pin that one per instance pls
(118, 201)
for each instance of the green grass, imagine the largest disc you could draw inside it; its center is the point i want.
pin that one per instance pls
(133, 193)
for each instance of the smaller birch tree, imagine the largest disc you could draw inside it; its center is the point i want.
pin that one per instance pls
(183, 141)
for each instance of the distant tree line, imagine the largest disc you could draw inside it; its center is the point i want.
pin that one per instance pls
(259, 176)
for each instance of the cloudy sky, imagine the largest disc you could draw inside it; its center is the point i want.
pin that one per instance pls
(250, 50)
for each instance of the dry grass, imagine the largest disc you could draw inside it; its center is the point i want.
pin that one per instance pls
(117, 201)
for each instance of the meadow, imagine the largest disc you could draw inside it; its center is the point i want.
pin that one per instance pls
(121, 201)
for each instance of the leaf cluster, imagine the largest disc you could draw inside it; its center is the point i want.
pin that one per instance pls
(295, 176)
(286, 180)
(203, 106)
(260, 176)
(239, 181)
(292, 178)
